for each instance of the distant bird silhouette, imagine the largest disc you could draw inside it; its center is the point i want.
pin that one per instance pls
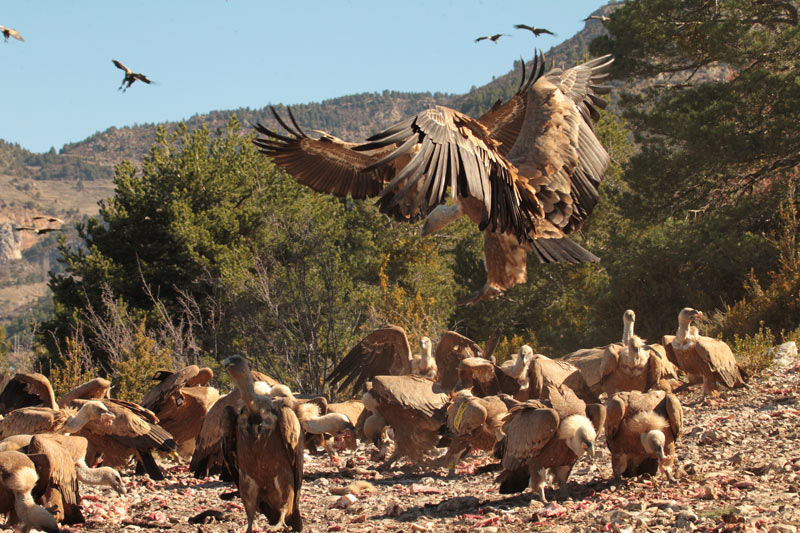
(494, 38)
(601, 18)
(38, 231)
(536, 31)
(49, 219)
(130, 76)
(9, 32)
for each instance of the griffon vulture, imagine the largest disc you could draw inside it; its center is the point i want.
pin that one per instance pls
(18, 477)
(10, 32)
(130, 76)
(484, 378)
(544, 372)
(414, 407)
(705, 356)
(134, 431)
(27, 390)
(526, 172)
(181, 407)
(387, 352)
(641, 429)
(494, 38)
(539, 438)
(32, 420)
(536, 31)
(634, 367)
(265, 440)
(517, 366)
(207, 458)
(473, 423)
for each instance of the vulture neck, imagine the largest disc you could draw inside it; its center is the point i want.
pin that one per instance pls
(75, 423)
(102, 475)
(627, 330)
(686, 333)
(32, 515)
(246, 385)
(519, 365)
(331, 423)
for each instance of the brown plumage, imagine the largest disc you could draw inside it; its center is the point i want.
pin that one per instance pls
(37, 231)
(95, 389)
(634, 367)
(526, 172)
(60, 490)
(406, 402)
(32, 420)
(533, 29)
(473, 423)
(484, 378)
(18, 477)
(134, 432)
(641, 429)
(705, 356)
(168, 390)
(544, 372)
(494, 38)
(265, 440)
(517, 366)
(451, 349)
(207, 458)
(27, 390)
(11, 32)
(541, 437)
(130, 76)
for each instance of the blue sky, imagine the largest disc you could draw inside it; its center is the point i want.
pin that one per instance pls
(60, 85)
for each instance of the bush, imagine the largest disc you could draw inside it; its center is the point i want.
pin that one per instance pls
(133, 373)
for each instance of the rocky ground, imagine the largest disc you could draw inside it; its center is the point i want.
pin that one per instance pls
(738, 469)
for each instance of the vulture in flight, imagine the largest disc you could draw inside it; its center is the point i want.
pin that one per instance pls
(541, 437)
(130, 76)
(704, 356)
(406, 403)
(641, 429)
(18, 477)
(536, 31)
(11, 32)
(264, 441)
(387, 352)
(494, 38)
(526, 172)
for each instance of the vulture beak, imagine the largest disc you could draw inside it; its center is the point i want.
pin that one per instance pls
(120, 488)
(107, 418)
(590, 449)
(661, 454)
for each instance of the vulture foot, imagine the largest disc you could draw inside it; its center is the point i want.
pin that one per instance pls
(487, 292)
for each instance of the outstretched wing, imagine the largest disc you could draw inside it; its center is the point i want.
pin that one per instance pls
(411, 392)
(141, 77)
(327, 164)
(385, 351)
(119, 65)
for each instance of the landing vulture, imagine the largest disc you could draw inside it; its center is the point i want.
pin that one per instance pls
(18, 477)
(705, 356)
(265, 441)
(541, 437)
(641, 429)
(414, 407)
(387, 352)
(526, 172)
(130, 76)
(11, 32)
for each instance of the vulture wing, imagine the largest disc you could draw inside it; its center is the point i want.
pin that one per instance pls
(666, 341)
(564, 400)
(207, 458)
(451, 350)
(616, 407)
(120, 66)
(63, 478)
(504, 120)
(142, 77)
(385, 351)
(31, 420)
(528, 428)
(465, 415)
(160, 395)
(327, 165)
(27, 390)
(411, 392)
(720, 360)
(95, 389)
(674, 414)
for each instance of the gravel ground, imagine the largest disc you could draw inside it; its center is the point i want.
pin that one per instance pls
(738, 469)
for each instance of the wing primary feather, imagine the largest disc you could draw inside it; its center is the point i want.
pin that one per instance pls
(402, 149)
(400, 126)
(291, 117)
(281, 122)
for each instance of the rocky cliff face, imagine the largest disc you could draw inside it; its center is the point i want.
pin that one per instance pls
(10, 249)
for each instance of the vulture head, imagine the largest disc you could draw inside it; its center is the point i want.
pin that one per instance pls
(579, 434)
(526, 353)
(425, 345)
(281, 391)
(91, 410)
(653, 442)
(629, 317)
(688, 315)
(236, 365)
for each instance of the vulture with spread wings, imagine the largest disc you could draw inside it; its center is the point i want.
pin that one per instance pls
(387, 352)
(526, 172)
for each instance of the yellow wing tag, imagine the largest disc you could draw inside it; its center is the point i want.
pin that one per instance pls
(460, 414)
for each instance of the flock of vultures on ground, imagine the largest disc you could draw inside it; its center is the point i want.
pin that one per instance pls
(536, 415)
(527, 173)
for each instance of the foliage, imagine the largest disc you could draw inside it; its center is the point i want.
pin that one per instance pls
(139, 362)
(509, 346)
(72, 368)
(5, 350)
(754, 353)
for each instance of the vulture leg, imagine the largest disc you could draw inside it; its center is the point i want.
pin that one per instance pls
(149, 464)
(440, 217)
(539, 482)
(248, 486)
(619, 464)
(561, 475)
